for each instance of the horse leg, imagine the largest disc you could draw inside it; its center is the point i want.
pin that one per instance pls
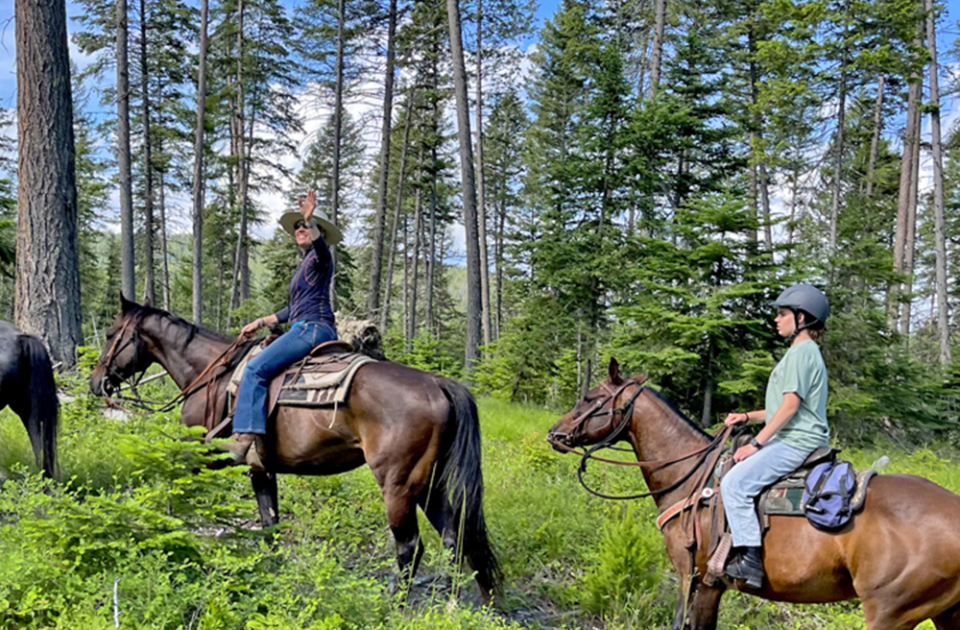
(879, 616)
(265, 489)
(402, 517)
(948, 620)
(706, 606)
(440, 514)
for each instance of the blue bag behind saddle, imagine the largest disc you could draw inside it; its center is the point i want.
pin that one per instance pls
(827, 494)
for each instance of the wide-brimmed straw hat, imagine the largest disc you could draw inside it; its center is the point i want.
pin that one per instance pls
(333, 233)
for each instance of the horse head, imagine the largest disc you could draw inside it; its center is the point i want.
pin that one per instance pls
(125, 353)
(598, 416)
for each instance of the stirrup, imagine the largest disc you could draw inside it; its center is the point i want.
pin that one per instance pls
(253, 456)
(741, 568)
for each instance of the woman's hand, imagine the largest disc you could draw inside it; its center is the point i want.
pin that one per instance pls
(735, 418)
(744, 452)
(308, 205)
(251, 328)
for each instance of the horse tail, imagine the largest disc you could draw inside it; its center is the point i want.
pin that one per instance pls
(462, 479)
(44, 406)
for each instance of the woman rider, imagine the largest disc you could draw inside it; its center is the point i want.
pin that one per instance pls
(308, 307)
(796, 425)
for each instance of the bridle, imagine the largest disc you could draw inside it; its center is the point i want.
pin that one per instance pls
(625, 415)
(154, 406)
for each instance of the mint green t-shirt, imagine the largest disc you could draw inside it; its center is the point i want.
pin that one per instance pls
(801, 371)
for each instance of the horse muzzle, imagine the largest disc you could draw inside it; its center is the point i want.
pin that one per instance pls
(100, 383)
(561, 442)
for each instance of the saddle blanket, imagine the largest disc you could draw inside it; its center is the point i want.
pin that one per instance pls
(316, 381)
(782, 498)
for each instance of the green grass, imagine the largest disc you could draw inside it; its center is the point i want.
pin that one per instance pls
(187, 552)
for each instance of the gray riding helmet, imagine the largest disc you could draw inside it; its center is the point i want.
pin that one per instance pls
(807, 298)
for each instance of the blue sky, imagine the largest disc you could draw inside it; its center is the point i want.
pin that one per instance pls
(8, 86)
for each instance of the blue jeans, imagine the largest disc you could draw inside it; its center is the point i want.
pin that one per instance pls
(747, 479)
(251, 416)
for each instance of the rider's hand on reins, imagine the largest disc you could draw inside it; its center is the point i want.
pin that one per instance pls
(735, 418)
(250, 329)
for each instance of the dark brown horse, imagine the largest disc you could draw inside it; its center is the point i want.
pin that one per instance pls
(28, 387)
(900, 555)
(418, 432)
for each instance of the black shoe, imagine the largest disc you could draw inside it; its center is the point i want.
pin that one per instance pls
(747, 566)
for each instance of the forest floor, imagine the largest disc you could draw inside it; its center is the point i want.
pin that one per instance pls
(132, 536)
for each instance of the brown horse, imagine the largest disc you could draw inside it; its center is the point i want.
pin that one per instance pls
(900, 555)
(418, 432)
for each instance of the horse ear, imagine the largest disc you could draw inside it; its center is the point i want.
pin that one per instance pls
(125, 304)
(146, 301)
(614, 372)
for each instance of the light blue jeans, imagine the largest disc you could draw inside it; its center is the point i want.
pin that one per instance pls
(746, 481)
(293, 345)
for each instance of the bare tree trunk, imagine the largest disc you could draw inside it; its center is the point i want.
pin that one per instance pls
(432, 260)
(911, 137)
(242, 169)
(471, 350)
(337, 139)
(481, 190)
(47, 259)
(875, 140)
(660, 13)
(911, 232)
(401, 174)
(943, 320)
(406, 283)
(165, 269)
(838, 167)
(150, 281)
(198, 183)
(501, 220)
(415, 272)
(128, 281)
(376, 258)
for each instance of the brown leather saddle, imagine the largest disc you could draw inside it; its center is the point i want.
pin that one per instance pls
(322, 378)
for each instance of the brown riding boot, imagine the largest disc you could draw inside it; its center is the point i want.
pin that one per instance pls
(243, 446)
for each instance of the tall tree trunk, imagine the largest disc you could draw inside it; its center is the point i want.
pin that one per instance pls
(471, 350)
(47, 266)
(128, 281)
(337, 139)
(660, 18)
(501, 220)
(198, 183)
(165, 268)
(838, 167)
(401, 174)
(406, 283)
(481, 190)
(149, 275)
(875, 139)
(242, 169)
(376, 258)
(432, 260)
(943, 317)
(415, 272)
(911, 232)
(911, 137)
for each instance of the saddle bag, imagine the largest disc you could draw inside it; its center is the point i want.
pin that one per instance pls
(827, 494)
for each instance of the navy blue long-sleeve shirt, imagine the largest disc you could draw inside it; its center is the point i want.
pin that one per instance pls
(309, 296)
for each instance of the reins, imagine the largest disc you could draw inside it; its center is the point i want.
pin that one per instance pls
(625, 411)
(195, 386)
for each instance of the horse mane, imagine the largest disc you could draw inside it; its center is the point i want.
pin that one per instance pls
(188, 331)
(669, 403)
